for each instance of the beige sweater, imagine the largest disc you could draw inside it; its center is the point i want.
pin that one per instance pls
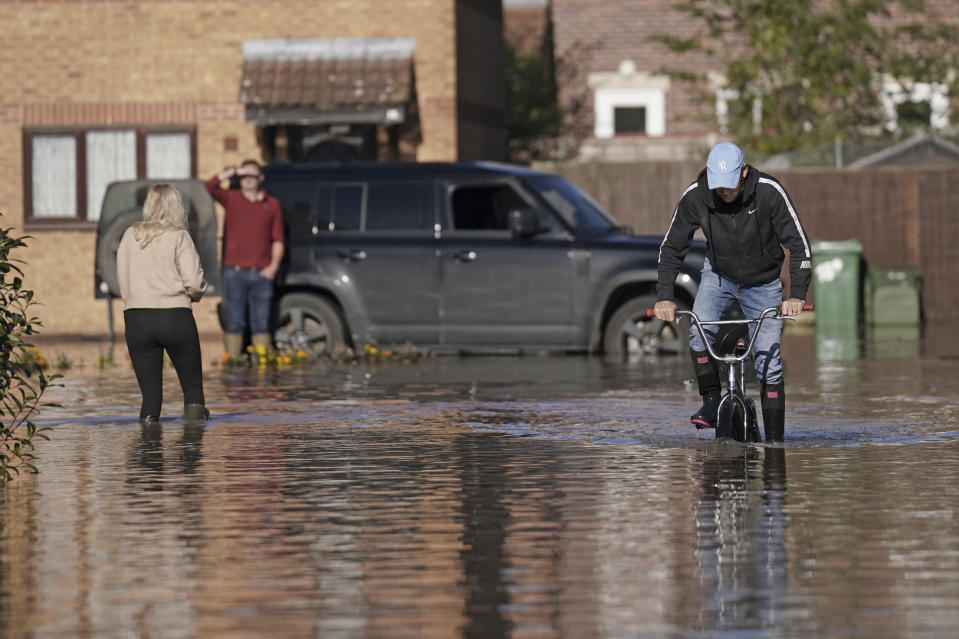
(165, 274)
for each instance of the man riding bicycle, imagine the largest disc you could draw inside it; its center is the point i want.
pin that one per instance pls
(747, 218)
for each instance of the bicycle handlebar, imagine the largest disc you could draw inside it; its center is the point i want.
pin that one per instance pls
(806, 307)
(773, 312)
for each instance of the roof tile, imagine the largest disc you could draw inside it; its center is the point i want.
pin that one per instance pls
(324, 75)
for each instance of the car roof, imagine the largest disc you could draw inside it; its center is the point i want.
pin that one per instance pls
(401, 170)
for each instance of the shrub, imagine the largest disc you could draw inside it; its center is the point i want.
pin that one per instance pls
(22, 380)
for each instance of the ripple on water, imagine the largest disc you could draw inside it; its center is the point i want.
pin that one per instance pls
(460, 500)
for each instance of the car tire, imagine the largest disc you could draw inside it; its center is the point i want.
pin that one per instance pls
(630, 334)
(308, 323)
(109, 242)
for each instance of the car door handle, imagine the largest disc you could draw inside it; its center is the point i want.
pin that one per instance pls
(463, 256)
(355, 255)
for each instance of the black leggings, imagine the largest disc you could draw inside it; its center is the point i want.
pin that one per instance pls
(148, 332)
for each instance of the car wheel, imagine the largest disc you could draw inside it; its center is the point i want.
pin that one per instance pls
(308, 323)
(630, 334)
(109, 242)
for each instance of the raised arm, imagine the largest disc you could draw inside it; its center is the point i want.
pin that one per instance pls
(213, 185)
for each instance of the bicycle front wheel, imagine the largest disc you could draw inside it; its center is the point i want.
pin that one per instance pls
(731, 421)
(752, 424)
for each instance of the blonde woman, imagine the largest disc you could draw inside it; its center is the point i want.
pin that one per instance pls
(160, 276)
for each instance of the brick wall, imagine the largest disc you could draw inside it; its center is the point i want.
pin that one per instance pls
(525, 27)
(125, 62)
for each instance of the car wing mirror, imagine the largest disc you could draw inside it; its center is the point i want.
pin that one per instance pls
(524, 222)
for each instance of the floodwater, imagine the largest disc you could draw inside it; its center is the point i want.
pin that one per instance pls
(485, 497)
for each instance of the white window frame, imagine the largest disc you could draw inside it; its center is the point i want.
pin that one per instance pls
(606, 101)
(936, 94)
(723, 97)
(628, 87)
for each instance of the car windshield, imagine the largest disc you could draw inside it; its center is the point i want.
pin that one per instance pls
(575, 207)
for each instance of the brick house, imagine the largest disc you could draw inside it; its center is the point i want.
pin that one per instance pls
(99, 90)
(607, 60)
(634, 112)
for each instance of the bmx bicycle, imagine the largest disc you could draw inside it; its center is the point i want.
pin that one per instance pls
(736, 415)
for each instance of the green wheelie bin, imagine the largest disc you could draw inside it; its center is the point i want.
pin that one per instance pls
(891, 296)
(837, 279)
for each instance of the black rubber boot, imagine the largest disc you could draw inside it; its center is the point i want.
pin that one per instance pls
(705, 417)
(774, 411)
(708, 379)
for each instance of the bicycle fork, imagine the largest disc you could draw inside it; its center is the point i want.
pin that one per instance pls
(734, 399)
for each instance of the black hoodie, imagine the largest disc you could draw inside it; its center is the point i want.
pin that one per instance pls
(744, 240)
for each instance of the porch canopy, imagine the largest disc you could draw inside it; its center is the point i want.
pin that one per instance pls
(327, 80)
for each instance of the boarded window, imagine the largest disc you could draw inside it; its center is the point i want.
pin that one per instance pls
(629, 120)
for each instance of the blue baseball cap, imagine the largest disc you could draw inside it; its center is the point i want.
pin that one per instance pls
(723, 166)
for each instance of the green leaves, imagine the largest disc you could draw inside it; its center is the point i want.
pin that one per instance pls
(22, 380)
(532, 112)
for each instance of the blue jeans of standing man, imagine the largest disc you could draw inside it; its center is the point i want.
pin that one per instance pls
(717, 293)
(245, 288)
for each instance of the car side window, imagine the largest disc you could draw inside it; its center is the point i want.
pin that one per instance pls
(483, 207)
(347, 207)
(399, 207)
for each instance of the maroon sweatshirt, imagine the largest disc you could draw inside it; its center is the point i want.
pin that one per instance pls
(250, 228)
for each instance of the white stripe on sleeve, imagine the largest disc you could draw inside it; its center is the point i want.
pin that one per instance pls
(671, 221)
(792, 211)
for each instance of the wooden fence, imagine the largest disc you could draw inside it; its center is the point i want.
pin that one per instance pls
(904, 216)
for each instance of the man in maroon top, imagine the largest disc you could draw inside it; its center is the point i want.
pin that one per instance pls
(252, 249)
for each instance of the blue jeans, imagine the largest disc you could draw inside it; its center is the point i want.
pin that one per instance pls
(717, 293)
(245, 288)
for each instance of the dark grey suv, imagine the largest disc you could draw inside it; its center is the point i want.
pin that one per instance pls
(467, 257)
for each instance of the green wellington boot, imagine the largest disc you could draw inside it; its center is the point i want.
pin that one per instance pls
(195, 413)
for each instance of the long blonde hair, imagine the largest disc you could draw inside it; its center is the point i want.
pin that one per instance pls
(162, 212)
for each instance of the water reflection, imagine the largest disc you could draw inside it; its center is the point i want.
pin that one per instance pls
(149, 460)
(518, 497)
(741, 526)
(485, 522)
(893, 341)
(837, 343)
